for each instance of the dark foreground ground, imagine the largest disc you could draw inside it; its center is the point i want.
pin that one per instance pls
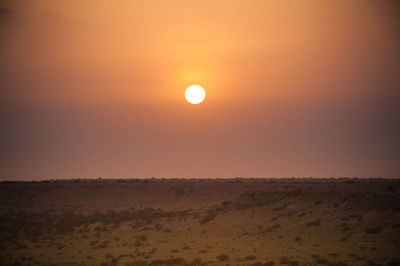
(201, 222)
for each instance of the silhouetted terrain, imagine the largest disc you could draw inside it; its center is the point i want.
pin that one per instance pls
(201, 222)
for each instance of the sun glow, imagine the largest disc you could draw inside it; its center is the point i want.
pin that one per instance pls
(195, 94)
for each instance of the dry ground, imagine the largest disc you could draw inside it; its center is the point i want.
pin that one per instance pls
(201, 222)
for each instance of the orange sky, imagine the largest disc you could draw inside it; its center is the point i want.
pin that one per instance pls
(294, 88)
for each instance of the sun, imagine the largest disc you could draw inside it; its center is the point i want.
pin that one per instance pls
(195, 94)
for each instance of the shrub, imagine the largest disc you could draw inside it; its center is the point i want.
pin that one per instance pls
(208, 217)
(340, 263)
(374, 230)
(316, 222)
(268, 263)
(196, 261)
(114, 261)
(356, 216)
(104, 244)
(320, 260)
(393, 262)
(250, 257)
(158, 227)
(176, 261)
(284, 260)
(138, 243)
(223, 257)
(272, 228)
(152, 251)
(224, 207)
(281, 207)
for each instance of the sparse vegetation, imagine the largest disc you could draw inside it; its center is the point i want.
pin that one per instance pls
(152, 222)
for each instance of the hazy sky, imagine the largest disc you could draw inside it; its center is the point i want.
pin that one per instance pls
(294, 88)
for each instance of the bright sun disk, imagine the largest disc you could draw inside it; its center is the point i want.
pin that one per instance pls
(195, 94)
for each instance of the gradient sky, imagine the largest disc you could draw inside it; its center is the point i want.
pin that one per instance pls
(294, 88)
